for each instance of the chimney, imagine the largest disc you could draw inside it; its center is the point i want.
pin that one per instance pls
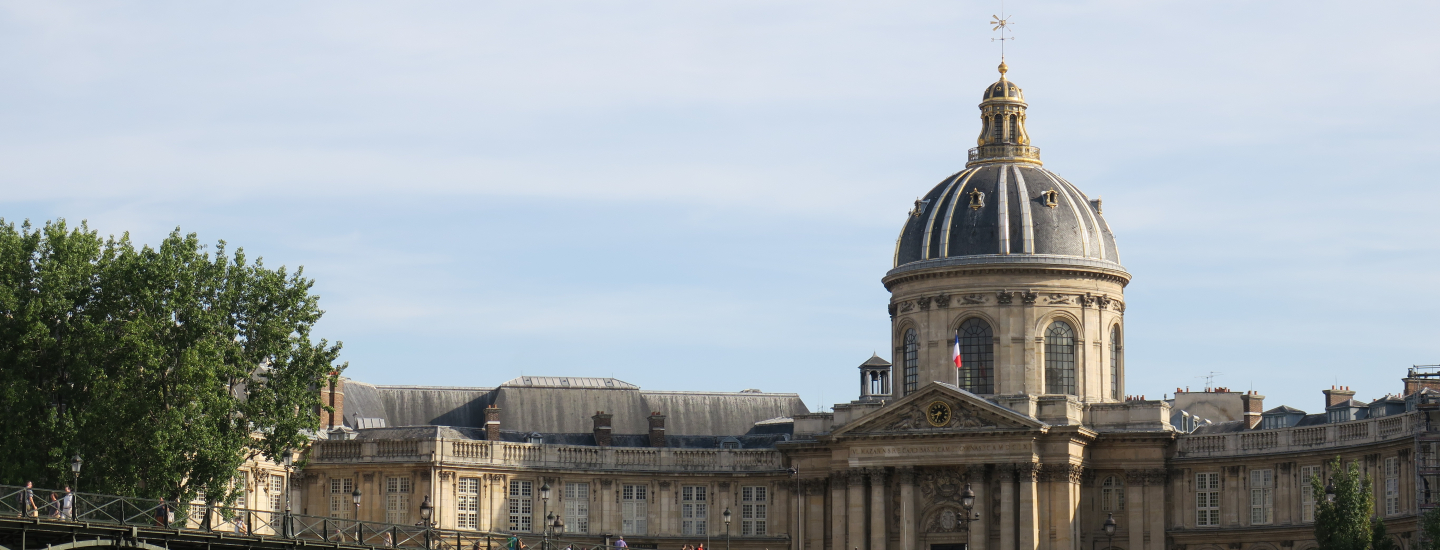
(1254, 405)
(602, 428)
(334, 396)
(492, 423)
(1337, 395)
(657, 429)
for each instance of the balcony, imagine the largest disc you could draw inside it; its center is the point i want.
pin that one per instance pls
(1308, 438)
(1005, 152)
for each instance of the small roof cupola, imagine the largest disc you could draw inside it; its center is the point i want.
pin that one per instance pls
(1002, 129)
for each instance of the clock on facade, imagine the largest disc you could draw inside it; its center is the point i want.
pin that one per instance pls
(938, 413)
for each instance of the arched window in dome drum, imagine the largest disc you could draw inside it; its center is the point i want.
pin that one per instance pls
(912, 361)
(1060, 358)
(977, 356)
(1116, 348)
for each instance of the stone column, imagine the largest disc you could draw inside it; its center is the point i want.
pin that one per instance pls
(855, 512)
(979, 534)
(1064, 478)
(1029, 534)
(814, 507)
(877, 509)
(838, 510)
(1005, 475)
(906, 475)
(1135, 508)
(1155, 508)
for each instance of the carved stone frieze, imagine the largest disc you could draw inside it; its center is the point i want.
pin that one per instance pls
(923, 302)
(723, 485)
(606, 482)
(1029, 297)
(1005, 473)
(1102, 301)
(877, 476)
(941, 485)
(857, 477)
(1087, 300)
(942, 301)
(1134, 477)
(1026, 471)
(1156, 476)
(1058, 299)
(368, 477)
(1004, 297)
(664, 484)
(974, 298)
(447, 476)
(906, 306)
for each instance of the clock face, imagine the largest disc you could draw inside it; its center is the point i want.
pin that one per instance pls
(938, 413)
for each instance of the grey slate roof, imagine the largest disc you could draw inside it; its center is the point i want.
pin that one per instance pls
(558, 409)
(947, 227)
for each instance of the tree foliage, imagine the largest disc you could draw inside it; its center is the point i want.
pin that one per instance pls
(1430, 529)
(1345, 523)
(165, 368)
(1379, 539)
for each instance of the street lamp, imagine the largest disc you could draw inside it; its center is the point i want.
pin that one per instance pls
(726, 517)
(426, 510)
(545, 510)
(75, 464)
(1330, 491)
(289, 462)
(355, 496)
(1109, 529)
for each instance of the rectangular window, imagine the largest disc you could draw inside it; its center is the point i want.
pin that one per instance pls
(1392, 486)
(244, 499)
(577, 507)
(1207, 500)
(397, 500)
(277, 499)
(1262, 497)
(694, 510)
(633, 509)
(1307, 493)
(521, 502)
(1112, 495)
(467, 503)
(341, 505)
(753, 501)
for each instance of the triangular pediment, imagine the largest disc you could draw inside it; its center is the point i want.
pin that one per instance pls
(938, 407)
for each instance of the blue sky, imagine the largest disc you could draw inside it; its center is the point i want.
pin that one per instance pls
(705, 195)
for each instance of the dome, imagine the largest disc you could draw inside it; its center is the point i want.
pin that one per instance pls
(1006, 213)
(1005, 207)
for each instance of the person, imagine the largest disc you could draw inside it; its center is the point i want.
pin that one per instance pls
(27, 501)
(53, 506)
(388, 541)
(512, 543)
(162, 513)
(620, 542)
(67, 505)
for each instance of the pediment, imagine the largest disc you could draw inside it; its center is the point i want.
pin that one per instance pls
(941, 408)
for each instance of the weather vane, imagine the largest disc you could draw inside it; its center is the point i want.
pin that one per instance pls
(1002, 24)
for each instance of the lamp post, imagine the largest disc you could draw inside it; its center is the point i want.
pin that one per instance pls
(1330, 491)
(1109, 529)
(75, 463)
(558, 526)
(355, 496)
(426, 510)
(544, 512)
(726, 517)
(289, 461)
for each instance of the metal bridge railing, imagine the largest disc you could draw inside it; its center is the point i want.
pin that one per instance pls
(144, 512)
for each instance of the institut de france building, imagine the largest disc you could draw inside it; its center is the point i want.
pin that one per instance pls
(1035, 432)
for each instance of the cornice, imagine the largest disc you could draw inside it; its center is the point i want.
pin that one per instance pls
(1016, 264)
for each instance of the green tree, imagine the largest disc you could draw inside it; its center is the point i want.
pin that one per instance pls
(1430, 529)
(165, 368)
(1379, 539)
(1345, 523)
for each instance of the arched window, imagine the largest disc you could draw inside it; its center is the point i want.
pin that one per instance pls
(1112, 495)
(912, 361)
(1115, 350)
(1060, 358)
(977, 356)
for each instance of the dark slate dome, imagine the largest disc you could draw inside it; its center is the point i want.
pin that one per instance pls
(1004, 89)
(1006, 213)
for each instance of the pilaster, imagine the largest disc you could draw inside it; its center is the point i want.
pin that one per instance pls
(855, 512)
(877, 509)
(906, 475)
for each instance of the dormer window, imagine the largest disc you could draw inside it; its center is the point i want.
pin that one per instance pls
(1052, 198)
(534, 438)
(977, 199)
(729, 443)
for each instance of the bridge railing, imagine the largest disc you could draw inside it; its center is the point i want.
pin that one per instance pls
(143, 512)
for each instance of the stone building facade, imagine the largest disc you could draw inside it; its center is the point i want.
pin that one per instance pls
(1027, 442)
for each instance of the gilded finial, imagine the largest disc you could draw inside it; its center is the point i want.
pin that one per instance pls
(1003, 69)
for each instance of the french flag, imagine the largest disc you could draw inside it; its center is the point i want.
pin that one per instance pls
(956, 358)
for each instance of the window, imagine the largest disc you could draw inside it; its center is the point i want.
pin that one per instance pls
(694, 510)
(912, 361)
(243, 500)
(977, 356)
(577, 507)
(341, 506)
(397, 500)
(467, 503)
(633, 509)
(277, 498)
(1112, 495)
(1307, 492)
(521, 502)
(1262, 497)
(1207, 500)
(1060, 358)
(1116, 349)
(1392, 486)
(752, 510)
